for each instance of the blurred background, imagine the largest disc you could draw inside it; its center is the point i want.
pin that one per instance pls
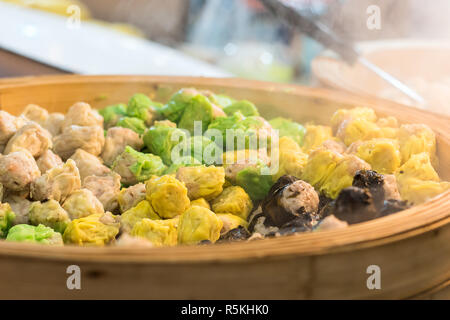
(225, 38)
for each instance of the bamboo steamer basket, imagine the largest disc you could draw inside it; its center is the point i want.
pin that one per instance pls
(411, 247)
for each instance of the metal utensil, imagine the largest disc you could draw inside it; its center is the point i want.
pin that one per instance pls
(387, 77)
(343, 47)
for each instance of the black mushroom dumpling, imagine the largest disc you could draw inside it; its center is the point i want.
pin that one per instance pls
(383, 189)
(236, 234)
(354, 205)
(374, 182)
(325, 203)
(303, 223)
(391, 206)
(289, 199)
(368, 198)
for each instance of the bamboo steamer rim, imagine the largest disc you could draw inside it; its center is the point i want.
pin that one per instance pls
(408, 223)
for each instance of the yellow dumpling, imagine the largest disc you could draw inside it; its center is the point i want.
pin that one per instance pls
(201, 202)
(418, 181)
(142, 210)
(288, 144)
(158, 232)
(358, 129)
(197, 224)
(230, 222)
(96, 229)
(417, 138)
(382, 154)
(167, 196)
(342, 176)
(233, 200)
(291, 163)
(419, 167)
(320, 165)
(388, 122)
(291, 158)
(201, 181)
(418, 191)
(388, 127)
(342, 115)
(315, 136)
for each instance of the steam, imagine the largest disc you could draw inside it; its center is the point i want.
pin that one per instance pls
(430, 21)
(399, 19)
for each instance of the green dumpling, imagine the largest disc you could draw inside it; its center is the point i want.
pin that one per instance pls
(135, 124)
(247, 130)
(224, 123)
(160, 140)
(39, 234)
(256, 184)
(134, 166)
(251, 124)
(221, 100)
(199, 108)
(112, 114)
(202, 146)
(289, 128)
(142, 107)
(245, 107)
(174, 109)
